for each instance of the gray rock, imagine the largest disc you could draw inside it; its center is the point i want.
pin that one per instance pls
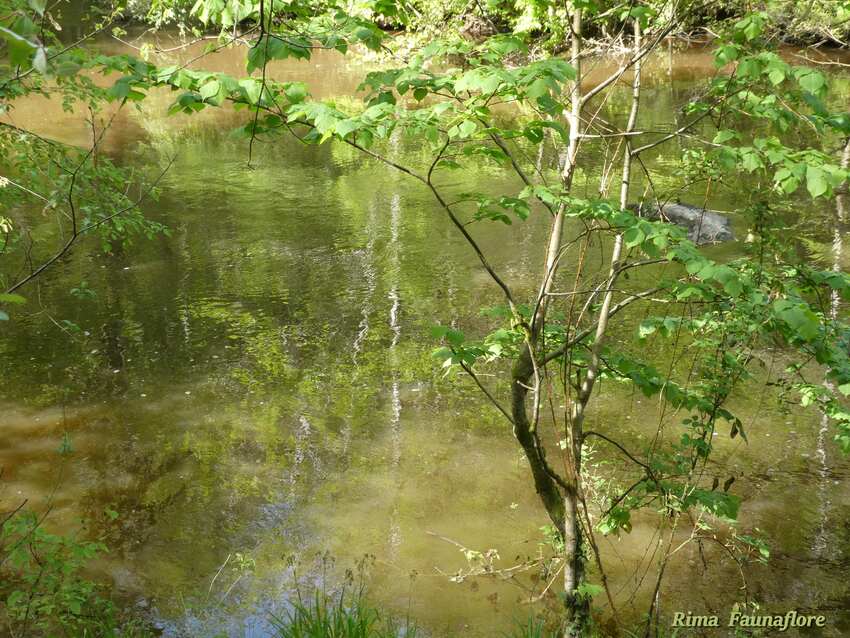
(704, 226)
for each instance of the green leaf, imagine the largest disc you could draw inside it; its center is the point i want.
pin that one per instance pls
(733, 287)
(344, 127)
(454, 337)
(721, 504)
(816, 181)
(618, 518)
(725, 54)
(538, 88)
(750, 27)
(750, 160)
(533, 134)
(776, 76)
(633, 236)
(811, 80)
(443, 353)
(38, 6)
(646, 328)
(480, 79)
(725, 135)
(799, 317)
(447, 163)
(210, 89)
(467, 128)
(252, 88)
(749, 68)
(19, 49)
(39, 60)
(8, 297)
(589, 590)
(295, 92)
(271, 47)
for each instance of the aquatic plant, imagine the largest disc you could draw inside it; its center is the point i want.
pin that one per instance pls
(345, 615)
(43, 587)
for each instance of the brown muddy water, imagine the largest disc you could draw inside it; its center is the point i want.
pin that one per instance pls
(258, 386)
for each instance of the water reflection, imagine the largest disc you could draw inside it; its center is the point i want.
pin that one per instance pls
(260, 383)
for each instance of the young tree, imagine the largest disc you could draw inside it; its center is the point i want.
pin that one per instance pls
(463, 102)
(81, 189)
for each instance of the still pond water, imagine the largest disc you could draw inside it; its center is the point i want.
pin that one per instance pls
(258, 386)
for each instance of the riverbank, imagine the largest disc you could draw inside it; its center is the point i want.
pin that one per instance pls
(819, 23)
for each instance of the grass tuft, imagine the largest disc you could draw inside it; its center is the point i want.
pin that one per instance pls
(342, 616)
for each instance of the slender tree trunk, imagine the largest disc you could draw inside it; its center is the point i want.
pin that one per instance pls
(560, 496)
(578, 607)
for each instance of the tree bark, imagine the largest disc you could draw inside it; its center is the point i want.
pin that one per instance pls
(577, 606)
(545, 485)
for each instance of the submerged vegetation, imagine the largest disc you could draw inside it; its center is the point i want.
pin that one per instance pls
(525, 132)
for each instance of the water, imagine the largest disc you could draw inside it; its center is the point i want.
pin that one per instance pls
(258, 386)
